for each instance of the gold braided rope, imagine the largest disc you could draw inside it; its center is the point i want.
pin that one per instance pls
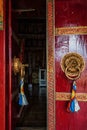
(81, 30)
(62, 96)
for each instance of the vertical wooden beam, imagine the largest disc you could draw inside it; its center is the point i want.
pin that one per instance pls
(50, 65)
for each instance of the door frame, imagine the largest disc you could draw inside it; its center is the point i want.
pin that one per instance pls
(50, 65)
(2, 70)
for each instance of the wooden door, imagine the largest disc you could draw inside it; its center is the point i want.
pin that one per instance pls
(4, 66)
(70, 36)
(67, 32)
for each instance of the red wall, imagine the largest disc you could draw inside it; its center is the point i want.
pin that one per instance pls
(2, 80)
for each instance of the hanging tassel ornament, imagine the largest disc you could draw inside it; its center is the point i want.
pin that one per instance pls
(22, 98)
(19, 67)
(72, 65)
(73, 105)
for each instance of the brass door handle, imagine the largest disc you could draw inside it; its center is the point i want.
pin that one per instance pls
(18, 67)
(72, 65)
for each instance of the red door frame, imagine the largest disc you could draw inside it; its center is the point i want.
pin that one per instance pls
(8, 64)
(2, 80)
(2, 74)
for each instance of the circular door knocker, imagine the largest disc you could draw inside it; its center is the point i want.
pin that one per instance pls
(72, 64)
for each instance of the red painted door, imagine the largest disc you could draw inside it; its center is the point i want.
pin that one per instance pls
(70, 36)
(3, 68)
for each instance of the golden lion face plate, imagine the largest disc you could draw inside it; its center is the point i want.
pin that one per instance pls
(72, 65)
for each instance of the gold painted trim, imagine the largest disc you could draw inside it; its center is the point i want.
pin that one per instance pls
(50, 66)
(71, 30)
(62, 96)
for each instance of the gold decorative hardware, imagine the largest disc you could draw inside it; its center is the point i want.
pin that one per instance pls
(72, 65)
(18, 67)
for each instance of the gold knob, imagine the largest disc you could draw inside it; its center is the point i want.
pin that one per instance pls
(16, 65)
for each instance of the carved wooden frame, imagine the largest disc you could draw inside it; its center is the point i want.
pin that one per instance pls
(50, 66)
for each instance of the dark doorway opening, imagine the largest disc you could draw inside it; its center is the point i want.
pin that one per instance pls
(29, 45)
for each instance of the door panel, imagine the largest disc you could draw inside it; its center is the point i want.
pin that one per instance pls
(70, 14)
(65, 120)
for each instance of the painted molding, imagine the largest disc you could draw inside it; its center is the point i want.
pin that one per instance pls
(62, 96)
(50, 68)
(81, 30)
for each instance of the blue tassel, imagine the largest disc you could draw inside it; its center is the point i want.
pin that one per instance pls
(72, 106)
(22, 100)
